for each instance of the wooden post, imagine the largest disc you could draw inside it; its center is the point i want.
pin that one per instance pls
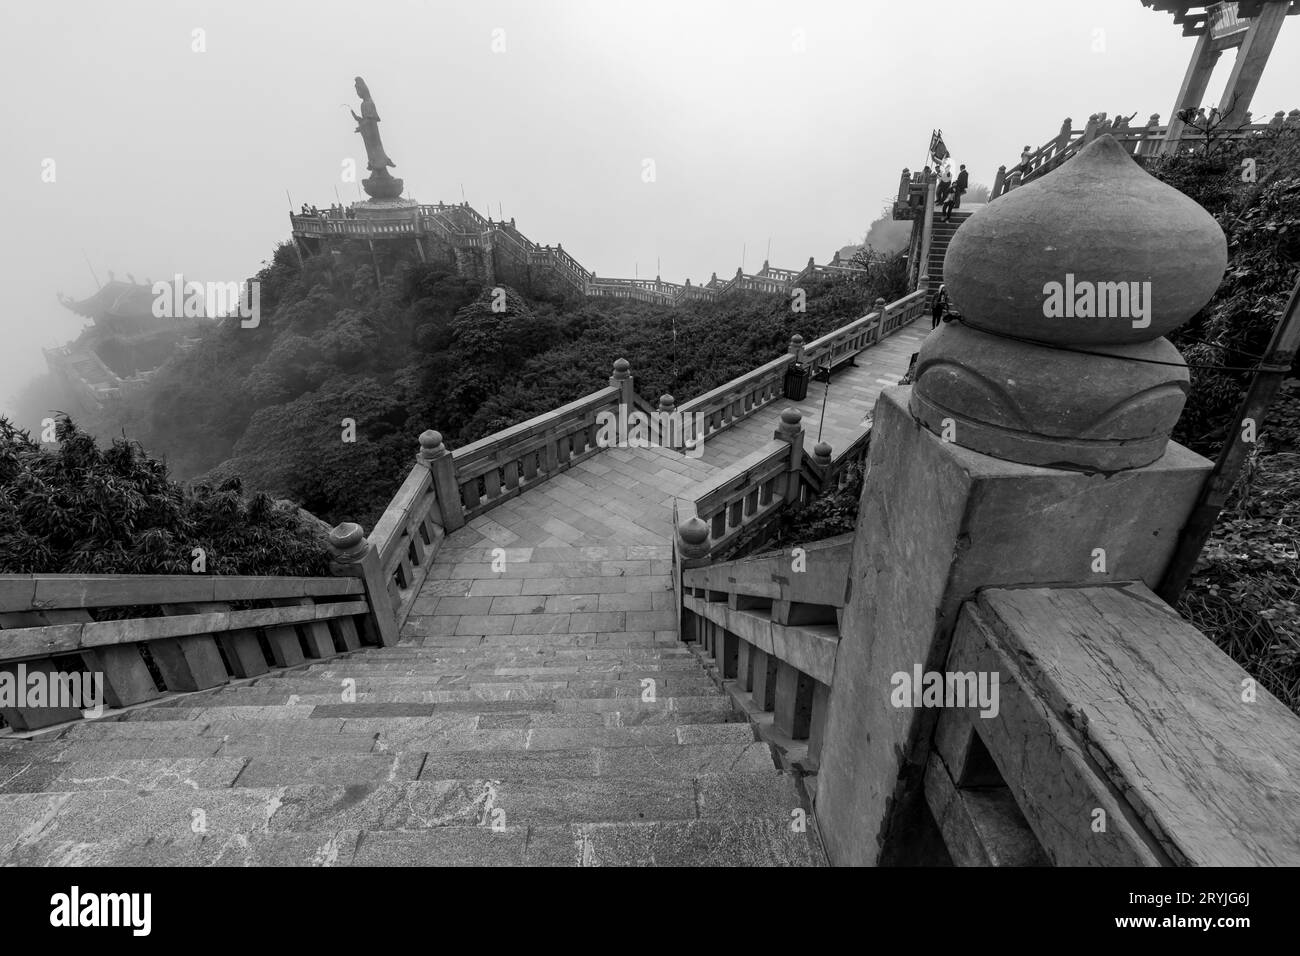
(442, 472)
(354, 556)
(1264, 386)
(1248, 67)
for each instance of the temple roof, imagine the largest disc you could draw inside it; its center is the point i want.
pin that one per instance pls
(1196, 17)
(115, 299)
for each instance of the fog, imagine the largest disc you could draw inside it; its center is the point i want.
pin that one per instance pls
(167, 160)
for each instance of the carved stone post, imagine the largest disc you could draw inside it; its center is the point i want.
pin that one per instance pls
(622, 380)
(790, 429)
(880, 306)
(822, 454)
(693, 542)
(998, 182)
(796, 347)
(1014, 464)
(442, 472)
(354, 556)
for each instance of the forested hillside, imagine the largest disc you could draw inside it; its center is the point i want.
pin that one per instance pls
(270, 404)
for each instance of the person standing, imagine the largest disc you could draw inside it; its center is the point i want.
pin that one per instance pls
(940, 307)
(960, 186)
(944, 188)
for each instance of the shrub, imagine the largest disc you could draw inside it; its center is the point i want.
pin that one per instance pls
(81, 509)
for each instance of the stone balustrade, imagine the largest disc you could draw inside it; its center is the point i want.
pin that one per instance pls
(195, 636)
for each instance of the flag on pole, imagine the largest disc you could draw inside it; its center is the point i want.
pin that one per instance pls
(937, 149)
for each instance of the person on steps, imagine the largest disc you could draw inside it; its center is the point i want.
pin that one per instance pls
(940, 307)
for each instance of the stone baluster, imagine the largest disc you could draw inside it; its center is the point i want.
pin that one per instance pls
(880, 307)
(434, 455)
(622, 380)
(352, 555)
(790, 429)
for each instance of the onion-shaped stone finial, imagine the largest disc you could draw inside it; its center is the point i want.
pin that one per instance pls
(1097, 251)
(667, 403)
(431, 445)
(822, 453)
(693, 537)
(1065, 287)
(347, 543)
(622, 369)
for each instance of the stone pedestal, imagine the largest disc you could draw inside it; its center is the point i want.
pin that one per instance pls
(387, 210)
(938, 521)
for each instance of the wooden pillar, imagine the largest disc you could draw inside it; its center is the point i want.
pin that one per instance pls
(1249, 66)
(1190, 94)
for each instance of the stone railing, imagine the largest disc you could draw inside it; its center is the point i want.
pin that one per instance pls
(195, 635)
(496, 468)
(742, 497)
(446, 489)
(728, 404)
(770, 623)
(463, 227)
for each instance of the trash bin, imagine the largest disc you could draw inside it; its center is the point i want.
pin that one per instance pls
(796, 381)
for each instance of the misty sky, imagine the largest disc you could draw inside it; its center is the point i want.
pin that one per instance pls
(168, 160)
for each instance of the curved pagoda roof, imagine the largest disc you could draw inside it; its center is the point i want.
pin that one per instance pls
(115, 299)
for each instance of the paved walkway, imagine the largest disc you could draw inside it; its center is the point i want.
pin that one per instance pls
(853, 393)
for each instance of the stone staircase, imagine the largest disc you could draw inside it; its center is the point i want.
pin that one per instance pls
(538, 711)
(533, 702)
(940, 237)
(518, 753)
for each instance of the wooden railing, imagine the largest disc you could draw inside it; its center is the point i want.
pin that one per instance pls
(1137, 140)
(1119, 736)
(189, 626)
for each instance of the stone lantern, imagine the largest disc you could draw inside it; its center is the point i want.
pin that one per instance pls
(1066, 288)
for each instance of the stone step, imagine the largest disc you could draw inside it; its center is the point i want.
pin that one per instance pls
(573, 670)
(558, 685)
(424, 694)
(747, 843)
(653, 762)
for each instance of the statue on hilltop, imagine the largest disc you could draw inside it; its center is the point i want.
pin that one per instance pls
(379, 184)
